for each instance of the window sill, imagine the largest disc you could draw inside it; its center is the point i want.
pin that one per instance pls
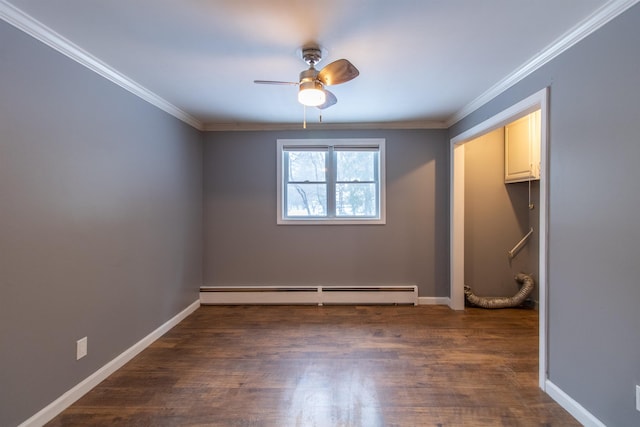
(341, 221)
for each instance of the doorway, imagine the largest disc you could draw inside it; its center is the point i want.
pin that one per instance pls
(537, 101)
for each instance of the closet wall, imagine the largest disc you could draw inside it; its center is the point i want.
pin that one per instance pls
(496, 218)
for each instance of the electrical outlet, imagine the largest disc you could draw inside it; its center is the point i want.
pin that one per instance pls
(81, 348)
(638, 397)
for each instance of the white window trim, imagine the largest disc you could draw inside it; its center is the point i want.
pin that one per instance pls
(379, 142)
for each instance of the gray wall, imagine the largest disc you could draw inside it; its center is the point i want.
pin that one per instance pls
(496, 218)
(244, 246)
(100, 222)
(594, 290)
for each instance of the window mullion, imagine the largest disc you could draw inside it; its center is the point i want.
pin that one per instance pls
(331, 183)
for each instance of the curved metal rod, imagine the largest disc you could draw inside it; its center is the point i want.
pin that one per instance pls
(513, 252)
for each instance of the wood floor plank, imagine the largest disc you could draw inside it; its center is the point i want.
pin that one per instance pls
(331, 366)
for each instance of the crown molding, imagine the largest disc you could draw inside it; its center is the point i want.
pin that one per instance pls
(46, 35)
(596, 20)
(241, 126)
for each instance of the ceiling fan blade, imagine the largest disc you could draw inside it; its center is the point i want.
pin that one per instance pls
(275, 82)
(337, 72)
(331, 99)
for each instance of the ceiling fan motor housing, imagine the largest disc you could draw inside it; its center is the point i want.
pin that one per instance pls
(309, 75)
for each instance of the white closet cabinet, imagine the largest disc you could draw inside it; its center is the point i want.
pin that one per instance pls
(522, 149)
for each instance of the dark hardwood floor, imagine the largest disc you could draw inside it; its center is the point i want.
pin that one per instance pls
(331, 366)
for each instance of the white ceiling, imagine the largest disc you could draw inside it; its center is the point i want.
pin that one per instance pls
(420, 61)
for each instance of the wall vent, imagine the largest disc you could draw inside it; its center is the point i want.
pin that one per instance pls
(311, 295)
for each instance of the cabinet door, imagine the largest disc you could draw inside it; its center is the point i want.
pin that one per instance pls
(522, 149)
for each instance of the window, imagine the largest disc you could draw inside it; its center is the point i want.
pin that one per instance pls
(331, 181)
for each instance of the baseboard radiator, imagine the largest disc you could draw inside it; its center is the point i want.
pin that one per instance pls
(311, 295)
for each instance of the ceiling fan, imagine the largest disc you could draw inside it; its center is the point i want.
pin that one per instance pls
(312, 92)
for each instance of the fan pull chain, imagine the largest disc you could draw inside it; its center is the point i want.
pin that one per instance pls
(304, 117)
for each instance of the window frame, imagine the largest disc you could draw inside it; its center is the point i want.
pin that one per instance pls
(378, 144)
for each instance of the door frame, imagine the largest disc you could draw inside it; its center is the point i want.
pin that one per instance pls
(538, 100)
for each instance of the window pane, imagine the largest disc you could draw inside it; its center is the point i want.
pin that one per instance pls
(307, 166)
(355, 165)
(306, 200)
(356, 200)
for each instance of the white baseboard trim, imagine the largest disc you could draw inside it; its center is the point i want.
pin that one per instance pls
(67, 399)
(573, 407)
(434, 301)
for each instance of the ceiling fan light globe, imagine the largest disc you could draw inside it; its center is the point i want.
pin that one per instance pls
(311, 94)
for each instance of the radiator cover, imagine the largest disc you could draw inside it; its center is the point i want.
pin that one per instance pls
(310, 295)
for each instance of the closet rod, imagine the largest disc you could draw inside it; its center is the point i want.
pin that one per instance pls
(513, 252)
